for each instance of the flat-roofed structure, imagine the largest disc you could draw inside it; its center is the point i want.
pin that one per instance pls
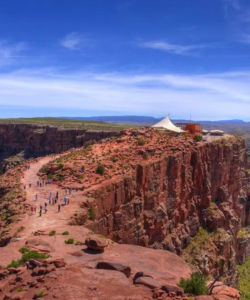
(192, 128)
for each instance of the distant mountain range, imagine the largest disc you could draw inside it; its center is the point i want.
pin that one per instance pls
(146, 120)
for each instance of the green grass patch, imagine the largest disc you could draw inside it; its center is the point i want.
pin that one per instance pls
(40, 294)
(197, 138)
(65, 233)
(69, 241)
(100, 169)
(244, 280)
(52, 233)
(27, 254)
(68, 123)
(92, 213)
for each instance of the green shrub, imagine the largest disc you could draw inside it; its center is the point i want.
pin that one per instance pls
(52, 233)
(27, 254)
(40, 294)
(78, 243)
(195, 285)
(197, 138)
(92, 213)
(60, 166)
(114, 159)
(50, 176)
(69, 241)
(60, 177)
(19, 229)
(100, 169)
(65, 233)
(141, 142)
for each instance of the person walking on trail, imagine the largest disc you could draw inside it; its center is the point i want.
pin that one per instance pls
(45, 207)
(59, 208)
(36, 197)
(49, 198)
(31, 210)
(57, 195)
(40, 212)
(65, 200)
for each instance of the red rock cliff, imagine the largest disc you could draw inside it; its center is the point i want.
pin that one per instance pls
(167, 201)
(36, 140)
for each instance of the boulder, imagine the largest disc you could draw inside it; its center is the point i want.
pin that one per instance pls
(32, 264)
(148, 281)
(114, 266)
(96, 243)
(204, 297)
(140, 274)
(59, 263)
(173, 289)
(225, 292)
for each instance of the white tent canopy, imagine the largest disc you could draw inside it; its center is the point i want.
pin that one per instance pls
(167, 124)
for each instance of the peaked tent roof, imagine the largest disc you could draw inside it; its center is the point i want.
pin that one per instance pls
(167, 124)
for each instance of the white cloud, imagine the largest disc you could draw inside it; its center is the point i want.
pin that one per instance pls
(246, 39)
(231, 4)
(172, 48)
(207, 96)
(72, 41)
(9, 52)
(235, 4)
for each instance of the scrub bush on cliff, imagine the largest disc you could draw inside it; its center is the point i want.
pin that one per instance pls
(196, 285)
(197, 138)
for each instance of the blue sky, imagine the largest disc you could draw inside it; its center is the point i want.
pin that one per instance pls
(116, 57)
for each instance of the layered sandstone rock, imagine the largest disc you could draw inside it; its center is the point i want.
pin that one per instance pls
(166, 200)
(36, 140)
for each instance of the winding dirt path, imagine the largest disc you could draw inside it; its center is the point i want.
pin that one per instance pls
(52, 220)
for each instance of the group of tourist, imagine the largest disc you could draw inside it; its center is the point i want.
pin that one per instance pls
(52, 200)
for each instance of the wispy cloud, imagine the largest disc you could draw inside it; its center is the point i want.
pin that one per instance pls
(72, 41)
(246, 39)
(235, 4)
(231, 5)
(172, 48)
(9, 52)
(206, 96)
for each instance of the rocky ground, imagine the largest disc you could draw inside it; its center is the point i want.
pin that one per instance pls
(88, 266)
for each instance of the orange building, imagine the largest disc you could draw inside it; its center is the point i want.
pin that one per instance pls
(192, 128)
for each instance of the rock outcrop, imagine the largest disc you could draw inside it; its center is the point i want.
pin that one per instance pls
(20, 141)
(166, 201)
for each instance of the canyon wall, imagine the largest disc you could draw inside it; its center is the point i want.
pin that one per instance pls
(33, 141)
(168, 201)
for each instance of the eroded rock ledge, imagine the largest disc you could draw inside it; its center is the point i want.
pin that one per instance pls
(21, 141)
(166, 201)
